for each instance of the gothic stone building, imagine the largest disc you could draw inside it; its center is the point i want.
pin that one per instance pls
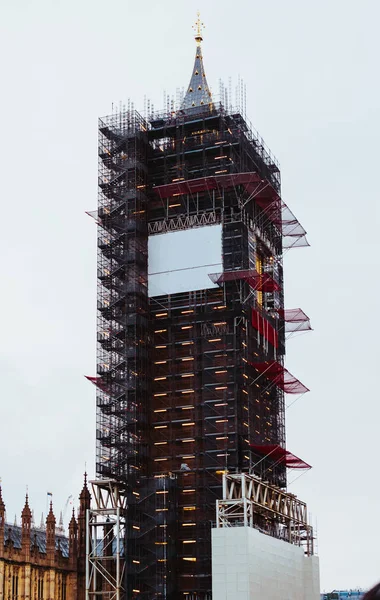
(43, 564)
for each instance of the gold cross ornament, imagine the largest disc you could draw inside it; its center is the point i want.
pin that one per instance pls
(198, 28)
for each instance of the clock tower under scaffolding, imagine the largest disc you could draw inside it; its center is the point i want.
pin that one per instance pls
(191, 329)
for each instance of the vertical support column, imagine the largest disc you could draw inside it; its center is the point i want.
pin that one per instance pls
(51, 584)
(88, 533)
(2, 573)
(118, 582)
(93, 541)
(250, 514)
(27, 582)
(243, 490)
(245, 507)
(6, 580)
(105, 566)
(224, 486)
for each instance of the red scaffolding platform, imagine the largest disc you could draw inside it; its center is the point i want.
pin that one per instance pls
(293, 233)
(295, 320)
(213, 182)
(260, 283)
(280, 214)
(258, 189)
(94, 214)
(280, 376)
(99, 383)
(281, 456)
(263, 326)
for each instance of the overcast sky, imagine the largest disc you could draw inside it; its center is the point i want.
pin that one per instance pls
(312, 75)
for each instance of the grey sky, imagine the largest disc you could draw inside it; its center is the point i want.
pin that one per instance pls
(311, 70)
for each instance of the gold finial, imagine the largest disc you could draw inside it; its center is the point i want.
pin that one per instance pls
(198, 28)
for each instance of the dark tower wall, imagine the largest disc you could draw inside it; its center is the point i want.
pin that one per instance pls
(179, 399)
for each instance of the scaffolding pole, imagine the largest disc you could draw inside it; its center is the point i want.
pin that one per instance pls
(105, 535)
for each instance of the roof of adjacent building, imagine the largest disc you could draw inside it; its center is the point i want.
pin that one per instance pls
(37, 538)
(343, 595)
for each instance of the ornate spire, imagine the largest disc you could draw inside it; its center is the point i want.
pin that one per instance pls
(73, 526)
(50, 533)
(50, 519)
(73, 539)
(26, 512)
(60, 528)
(26, 521)
(85, 496)
(2, 505)
(198, 92)
(2, 523)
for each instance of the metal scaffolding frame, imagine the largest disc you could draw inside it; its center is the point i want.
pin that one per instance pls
(247, 501)
(179, 401)
(105, 539)
(122, 363)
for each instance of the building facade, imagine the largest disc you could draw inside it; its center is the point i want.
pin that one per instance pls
(42, 563)
(191, 326)
(343, 595)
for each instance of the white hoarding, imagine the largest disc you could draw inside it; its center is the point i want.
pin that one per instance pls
(180, 261)
(249, 565)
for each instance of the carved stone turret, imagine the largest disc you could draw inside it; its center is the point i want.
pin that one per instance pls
(84, 504)
(73, 541)
(50, 534)
(26, 523)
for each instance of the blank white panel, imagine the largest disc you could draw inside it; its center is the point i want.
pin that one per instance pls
(249, 565)
(180, 261)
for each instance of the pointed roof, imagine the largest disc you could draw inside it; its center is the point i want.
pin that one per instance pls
(2, 505)
(198, 92)
(85, 496)
(50, 518)
(73, 524)
(26, 512)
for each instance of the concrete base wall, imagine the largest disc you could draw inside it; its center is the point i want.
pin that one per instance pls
(249, 565)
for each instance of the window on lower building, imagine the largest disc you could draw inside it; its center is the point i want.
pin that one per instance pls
(40, 588)
(14, 587)
(63, 588)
